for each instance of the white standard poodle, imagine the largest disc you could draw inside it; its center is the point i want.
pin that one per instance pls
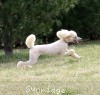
(58, 47)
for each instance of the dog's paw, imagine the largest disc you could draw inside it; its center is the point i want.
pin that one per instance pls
(71, 51)
(19, 64)
(23, 65)
(29, 66)
(77, 56)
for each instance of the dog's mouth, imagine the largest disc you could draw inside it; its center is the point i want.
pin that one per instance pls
(77, 40)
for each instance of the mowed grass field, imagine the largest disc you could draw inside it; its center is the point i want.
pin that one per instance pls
(52, 75)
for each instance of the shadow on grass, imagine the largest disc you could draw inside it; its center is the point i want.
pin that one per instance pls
(13, 58)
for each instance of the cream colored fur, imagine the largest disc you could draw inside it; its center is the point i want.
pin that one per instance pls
(58, 47)
(30, 40)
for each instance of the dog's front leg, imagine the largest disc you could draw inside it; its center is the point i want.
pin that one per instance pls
(72, 53)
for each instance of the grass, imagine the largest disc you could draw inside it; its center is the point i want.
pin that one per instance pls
(52, 75)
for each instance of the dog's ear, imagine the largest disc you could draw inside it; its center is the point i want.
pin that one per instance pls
(63, 34)
(72, 33)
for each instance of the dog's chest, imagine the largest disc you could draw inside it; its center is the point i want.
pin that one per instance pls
(63, 48)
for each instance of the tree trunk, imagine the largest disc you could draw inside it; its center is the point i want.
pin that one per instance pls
(7, 35)
(8, 50)
(44, 39)
(8, 44)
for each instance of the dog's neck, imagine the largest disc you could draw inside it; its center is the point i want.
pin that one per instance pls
(64, 41)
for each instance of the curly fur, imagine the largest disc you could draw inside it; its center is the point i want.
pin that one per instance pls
(58, 47)
(30, 40)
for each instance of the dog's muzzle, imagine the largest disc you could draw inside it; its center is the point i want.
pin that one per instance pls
(77, 40)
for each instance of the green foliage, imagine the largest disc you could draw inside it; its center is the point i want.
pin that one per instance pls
(40, 15)
(84, 18)
(22, 17)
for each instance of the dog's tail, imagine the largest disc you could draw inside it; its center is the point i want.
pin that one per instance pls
(30, 40)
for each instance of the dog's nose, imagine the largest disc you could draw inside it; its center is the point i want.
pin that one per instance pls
(79, 39)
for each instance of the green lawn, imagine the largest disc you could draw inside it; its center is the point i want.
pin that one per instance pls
(52, 75)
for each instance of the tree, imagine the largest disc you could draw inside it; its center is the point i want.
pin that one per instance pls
(84, 19)
(19, 18)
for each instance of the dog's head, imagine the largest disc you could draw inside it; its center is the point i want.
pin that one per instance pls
(68, 36)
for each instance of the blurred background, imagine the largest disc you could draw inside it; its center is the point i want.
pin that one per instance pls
(20, 18)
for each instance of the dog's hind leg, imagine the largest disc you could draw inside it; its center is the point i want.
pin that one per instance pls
(72, 53)
(33, 57)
